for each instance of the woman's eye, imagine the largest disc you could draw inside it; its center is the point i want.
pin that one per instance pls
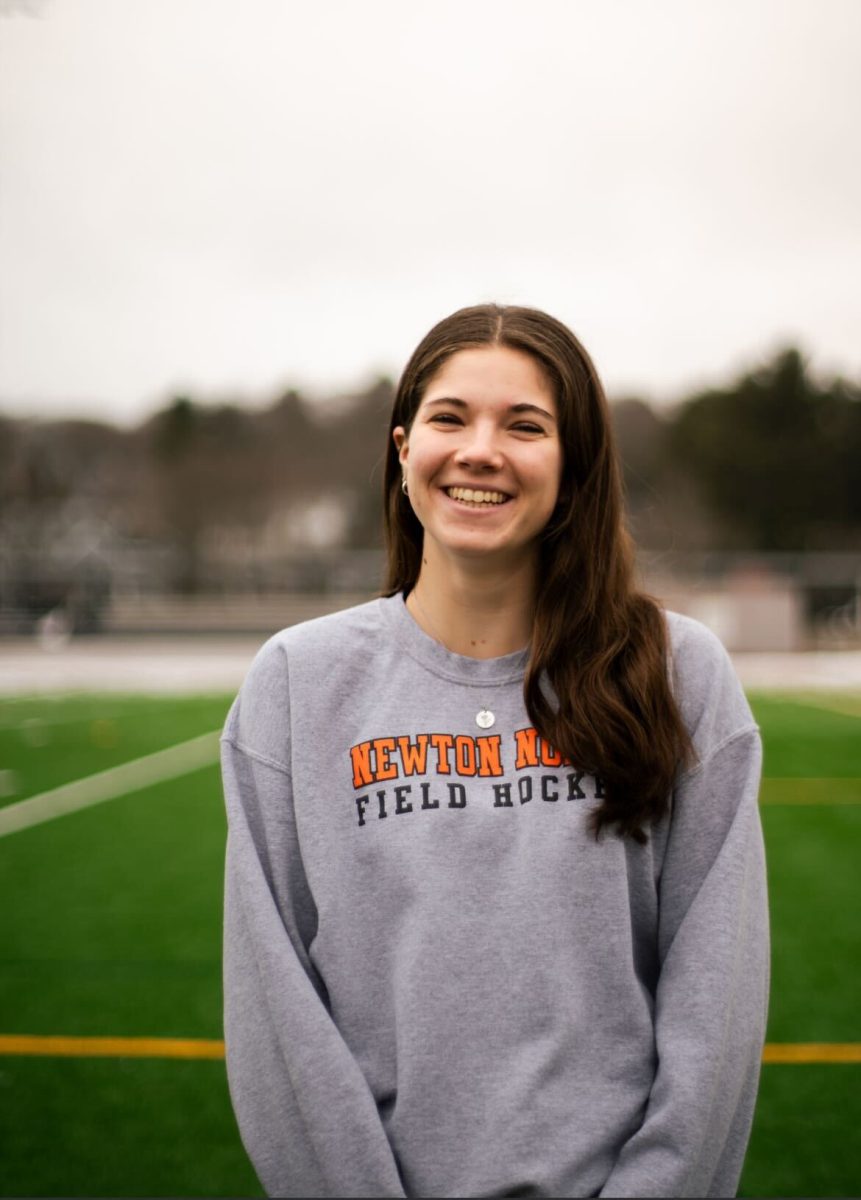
(445, 419)
(527, 427)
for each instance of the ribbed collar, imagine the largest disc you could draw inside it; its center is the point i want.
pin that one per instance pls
(459, 668)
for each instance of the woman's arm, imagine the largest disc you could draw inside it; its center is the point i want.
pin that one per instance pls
(307, 1116)
(711, 999)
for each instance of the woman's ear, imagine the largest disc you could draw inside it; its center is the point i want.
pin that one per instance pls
(399, 437)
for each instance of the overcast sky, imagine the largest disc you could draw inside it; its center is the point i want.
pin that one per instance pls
(224, 198)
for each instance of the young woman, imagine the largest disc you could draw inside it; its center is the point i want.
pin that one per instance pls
(496, 918)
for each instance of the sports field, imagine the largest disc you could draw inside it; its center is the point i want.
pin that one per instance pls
(111, 1076)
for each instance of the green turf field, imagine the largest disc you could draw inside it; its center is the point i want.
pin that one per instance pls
(113, 929)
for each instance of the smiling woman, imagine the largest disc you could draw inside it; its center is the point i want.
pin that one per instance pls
(495, 917)
(483, 461)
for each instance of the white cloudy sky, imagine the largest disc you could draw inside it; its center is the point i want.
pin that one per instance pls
(223, 197)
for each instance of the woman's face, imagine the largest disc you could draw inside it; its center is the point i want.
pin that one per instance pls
(483, 459)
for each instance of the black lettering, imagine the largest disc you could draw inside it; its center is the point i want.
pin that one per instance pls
(456, 795)
(402, 805)
(426, 800)
(361, 805)
(600, 794)
(381, 798)
(502, 795)
(545, 781)
(524, 786)
(575, 792)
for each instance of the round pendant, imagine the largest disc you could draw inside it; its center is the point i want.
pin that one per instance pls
(484, 719)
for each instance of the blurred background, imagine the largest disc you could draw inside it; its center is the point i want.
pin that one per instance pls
(223, 229)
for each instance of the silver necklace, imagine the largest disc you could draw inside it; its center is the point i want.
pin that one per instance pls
(484, 718)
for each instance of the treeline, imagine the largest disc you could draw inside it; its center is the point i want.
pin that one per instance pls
(770, 462)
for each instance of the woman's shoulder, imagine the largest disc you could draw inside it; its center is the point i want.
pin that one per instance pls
(319, 653)
(316, 644)
(333, 631)
(692, 643)
(705, 684)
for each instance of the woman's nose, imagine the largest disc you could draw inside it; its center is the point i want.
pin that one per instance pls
(479, 447)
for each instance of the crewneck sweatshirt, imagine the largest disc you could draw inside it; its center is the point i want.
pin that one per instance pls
(438, 982)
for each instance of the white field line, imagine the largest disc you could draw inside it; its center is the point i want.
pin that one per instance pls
(107, 785)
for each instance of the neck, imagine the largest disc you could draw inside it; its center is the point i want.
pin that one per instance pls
(480, 610)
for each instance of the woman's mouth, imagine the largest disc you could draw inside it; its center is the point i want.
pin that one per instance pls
(476, 497)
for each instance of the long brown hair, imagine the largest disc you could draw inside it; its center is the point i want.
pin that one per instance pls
(600, 643)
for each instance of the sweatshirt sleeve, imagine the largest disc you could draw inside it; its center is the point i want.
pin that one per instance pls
(712, 991)
(307, 1117)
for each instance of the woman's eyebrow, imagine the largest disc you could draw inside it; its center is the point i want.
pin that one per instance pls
(519, 408)
(514, 408)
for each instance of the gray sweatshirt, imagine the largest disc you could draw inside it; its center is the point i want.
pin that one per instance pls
(437, 982)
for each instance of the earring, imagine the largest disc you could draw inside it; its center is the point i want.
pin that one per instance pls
(404, 485)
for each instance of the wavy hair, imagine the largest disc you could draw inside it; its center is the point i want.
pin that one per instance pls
(600, 643)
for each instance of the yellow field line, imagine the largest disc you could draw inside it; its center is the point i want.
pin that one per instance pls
(791, 790)
(810, 801)
(812, 1052)
(110, 1047)
(145, 1047)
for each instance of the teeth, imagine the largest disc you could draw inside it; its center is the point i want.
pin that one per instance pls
(474, 496)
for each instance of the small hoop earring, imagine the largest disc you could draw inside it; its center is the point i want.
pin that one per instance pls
(404, 485)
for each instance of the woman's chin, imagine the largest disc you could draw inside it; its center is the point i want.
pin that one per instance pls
(480, 549)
